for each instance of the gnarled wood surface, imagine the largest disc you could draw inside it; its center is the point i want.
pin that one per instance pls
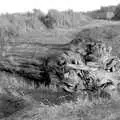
(64, 66)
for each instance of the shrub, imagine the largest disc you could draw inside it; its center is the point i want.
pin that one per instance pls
(117, 13)
(48, 21)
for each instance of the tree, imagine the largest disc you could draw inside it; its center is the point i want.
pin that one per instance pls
(117, 13)
(48, 21)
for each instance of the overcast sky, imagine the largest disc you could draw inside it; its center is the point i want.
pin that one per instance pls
(12, 6)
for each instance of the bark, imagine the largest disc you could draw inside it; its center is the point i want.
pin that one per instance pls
(59, 65)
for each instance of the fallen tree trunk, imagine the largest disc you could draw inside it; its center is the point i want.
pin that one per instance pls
(61, 66)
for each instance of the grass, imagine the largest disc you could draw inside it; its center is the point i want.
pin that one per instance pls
(10, 105)
(46, 104)
(82, 109)
(20, 101)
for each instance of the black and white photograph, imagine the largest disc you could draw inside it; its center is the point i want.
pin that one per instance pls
(60, 60)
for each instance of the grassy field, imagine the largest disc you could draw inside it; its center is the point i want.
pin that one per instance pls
(19, 100)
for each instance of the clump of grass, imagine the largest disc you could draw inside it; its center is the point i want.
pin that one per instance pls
(81, 109)
(12, 81)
